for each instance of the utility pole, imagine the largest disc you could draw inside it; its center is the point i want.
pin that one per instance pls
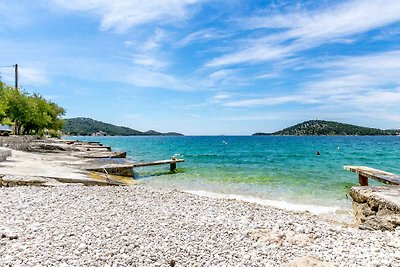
(16, 76)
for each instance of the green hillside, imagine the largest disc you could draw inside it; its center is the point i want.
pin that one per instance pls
(87, 126)
(320, 127)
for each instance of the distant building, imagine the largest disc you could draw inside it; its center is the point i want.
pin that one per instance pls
(5, 130)
(99, 133)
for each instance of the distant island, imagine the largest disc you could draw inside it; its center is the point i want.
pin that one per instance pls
(88, 126)
(321, 127)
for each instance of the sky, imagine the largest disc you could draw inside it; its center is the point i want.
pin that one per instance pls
(208, 67)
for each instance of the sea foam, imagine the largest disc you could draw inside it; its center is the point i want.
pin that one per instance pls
(315, 209)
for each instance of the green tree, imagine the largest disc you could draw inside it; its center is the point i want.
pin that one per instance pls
(30, 114)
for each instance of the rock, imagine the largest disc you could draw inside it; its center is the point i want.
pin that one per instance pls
(376, 208)
(82, 246)
(308, 261)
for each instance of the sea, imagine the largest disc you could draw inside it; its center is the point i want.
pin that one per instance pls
(281, 171)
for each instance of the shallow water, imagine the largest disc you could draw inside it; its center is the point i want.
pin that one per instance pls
(284, 170)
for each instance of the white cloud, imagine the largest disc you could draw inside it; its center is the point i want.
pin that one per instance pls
(128, 44)
(14, 14)
(304, 30)
(350, 17)
(148, 54)
(271, 101)
(154, 42)
(354, 74)
(361, 83)
(221, 74)
(120, 15)
(270, 75)
(259, 53)
(222, 95)
(145, 78)
(34, 76)
(202, 36)
(149, 61)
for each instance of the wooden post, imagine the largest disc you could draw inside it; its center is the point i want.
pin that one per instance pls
(172, 165)
(362, 180)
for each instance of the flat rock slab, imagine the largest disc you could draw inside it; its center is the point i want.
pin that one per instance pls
(16, 180)
(42, 169)
(46, 147)
(118, 169)
(25, 180)
(377, 207)
(4, 153)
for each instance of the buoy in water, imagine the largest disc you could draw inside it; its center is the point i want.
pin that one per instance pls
(317, 153)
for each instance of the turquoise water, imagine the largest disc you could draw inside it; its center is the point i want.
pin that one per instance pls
(278, 168)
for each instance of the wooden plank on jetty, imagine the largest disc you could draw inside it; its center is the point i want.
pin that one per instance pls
(172, 162)
(366, 172)
(126, 169)
(158, 162)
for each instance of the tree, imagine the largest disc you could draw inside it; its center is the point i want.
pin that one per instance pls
(30, 114)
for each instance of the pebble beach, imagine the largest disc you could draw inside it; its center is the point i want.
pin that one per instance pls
(143, 226)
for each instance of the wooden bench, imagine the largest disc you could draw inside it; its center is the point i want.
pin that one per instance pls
(366, 172)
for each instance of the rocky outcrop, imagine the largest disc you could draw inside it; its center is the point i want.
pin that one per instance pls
(377, 207)
(4, 153)
(18, 142)
(48, 147)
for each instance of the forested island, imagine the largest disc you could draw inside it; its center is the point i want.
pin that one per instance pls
(88, 126)
(321, 127)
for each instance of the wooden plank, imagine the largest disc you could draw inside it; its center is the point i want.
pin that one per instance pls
(126, 169)
(379, 175)
(159, 162)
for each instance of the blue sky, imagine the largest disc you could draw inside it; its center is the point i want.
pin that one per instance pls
(205, 67)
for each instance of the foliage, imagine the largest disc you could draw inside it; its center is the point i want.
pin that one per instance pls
(320, 127)
(29, 114)
(87, 126)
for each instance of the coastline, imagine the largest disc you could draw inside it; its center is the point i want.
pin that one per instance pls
(147, 226)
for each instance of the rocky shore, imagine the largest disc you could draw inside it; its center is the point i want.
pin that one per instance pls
(141, 226)
(60, 222)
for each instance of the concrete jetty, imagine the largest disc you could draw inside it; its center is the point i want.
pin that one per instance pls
(54, 162)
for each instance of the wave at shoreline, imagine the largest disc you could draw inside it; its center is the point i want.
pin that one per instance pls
(315, 209)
